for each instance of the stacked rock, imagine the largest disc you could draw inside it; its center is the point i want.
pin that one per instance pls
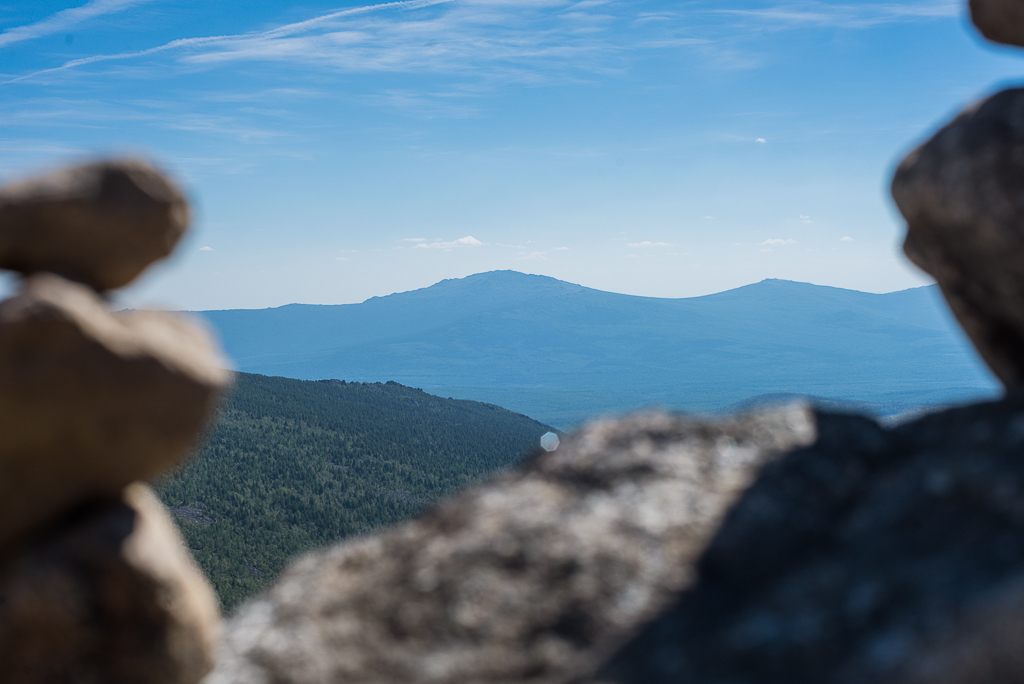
(96, 584)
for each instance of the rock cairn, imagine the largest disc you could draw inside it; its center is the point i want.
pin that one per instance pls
(96, 584)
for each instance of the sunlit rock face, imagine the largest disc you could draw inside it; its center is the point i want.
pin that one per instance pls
(534, 576)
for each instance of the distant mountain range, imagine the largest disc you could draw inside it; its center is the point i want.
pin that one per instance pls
(561, 353)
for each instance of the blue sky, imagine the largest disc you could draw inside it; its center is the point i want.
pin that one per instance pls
(336, 151)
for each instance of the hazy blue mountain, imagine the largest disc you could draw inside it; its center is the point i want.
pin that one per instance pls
(560, 352)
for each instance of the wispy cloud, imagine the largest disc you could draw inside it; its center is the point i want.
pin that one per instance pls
(778, 241)
(413, 240)
(65, 20)
(846, 239)
(468, 241)
(648, 243)
(207, 248)
(505, 40)
(850, 15)
(277, 43)
(532, 256)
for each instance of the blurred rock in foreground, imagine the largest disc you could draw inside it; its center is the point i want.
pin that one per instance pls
(534, 576)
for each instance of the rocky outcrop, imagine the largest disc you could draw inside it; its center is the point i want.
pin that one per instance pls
(100, 223)
(533, 576)
(870, 556)
(962, 194)
(108, 595)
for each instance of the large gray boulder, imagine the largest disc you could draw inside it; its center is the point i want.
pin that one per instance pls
(873, 555)
(962, 194)
(101, 223)
(534, 576)
(90, 400)
(108, 596)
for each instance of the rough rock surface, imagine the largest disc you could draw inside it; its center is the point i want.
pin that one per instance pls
(108, 596)
(533, 576)
(91, 401)
(100, 223)
(999, 20)
(872, 556)
(962, 194)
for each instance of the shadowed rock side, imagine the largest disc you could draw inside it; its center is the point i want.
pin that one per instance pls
(962, 194)
(1001, 21)
(870, 556)
(110, 596)
(533, 576)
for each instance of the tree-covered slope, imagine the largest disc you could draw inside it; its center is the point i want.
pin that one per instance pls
(290, 465)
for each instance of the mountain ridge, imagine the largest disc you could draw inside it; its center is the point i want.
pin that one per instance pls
(561, 352)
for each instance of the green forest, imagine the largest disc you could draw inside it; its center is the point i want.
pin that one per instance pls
(290, 465)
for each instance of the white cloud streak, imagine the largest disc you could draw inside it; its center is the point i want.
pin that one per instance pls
(648, 243)
(532, 256)
(778, 241)
(468, 241)
(526, 41)
(866, 15)
(274, 41)
(65, 20)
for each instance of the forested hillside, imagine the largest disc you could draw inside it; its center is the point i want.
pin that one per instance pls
(290, 465)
